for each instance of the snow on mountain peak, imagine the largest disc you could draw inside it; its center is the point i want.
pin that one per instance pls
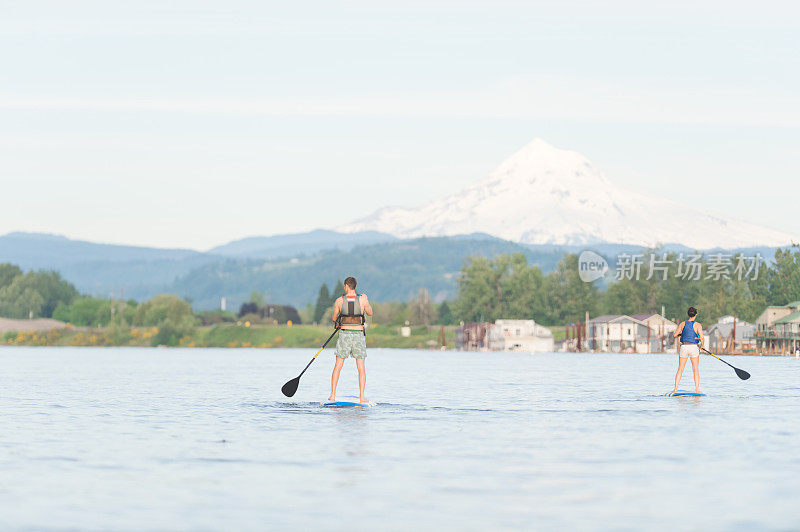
(547, 195)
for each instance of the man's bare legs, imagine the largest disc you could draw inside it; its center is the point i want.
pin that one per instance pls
(681, 365)
(696, 369)
(362, 379)
(337, 368)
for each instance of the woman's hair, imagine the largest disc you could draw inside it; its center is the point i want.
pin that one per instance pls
(692, 312)
(351, 282)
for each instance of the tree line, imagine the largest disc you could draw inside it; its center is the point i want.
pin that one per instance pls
(505, 286)
(417, 310)
(32, 294)
(44, 294)
(508, 287)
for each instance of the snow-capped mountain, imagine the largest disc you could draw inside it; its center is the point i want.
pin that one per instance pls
(546, 195)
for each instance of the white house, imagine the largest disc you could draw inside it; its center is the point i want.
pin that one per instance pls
(778, 329)
(720, 336)
(642, 333)
(659, 325)
(521, 335)
(774, 313)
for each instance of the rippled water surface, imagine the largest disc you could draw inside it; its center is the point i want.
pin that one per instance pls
(202, 439)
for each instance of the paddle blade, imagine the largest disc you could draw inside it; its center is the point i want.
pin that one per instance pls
(742, 374)
(290, 387)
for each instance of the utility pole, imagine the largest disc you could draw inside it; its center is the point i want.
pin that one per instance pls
(111, 296)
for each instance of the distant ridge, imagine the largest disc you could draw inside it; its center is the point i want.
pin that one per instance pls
(545, 195)
(298, 243)
(100, 269)
(42, 250)
(389, 270)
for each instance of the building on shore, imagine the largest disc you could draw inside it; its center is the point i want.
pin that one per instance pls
(505, 335)
(521, 335)
(642, 333)
(731, 335)
(778, 329)
(473, 336)
(661, 331)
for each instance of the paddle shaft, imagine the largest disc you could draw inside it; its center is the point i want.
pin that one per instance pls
(318, 352)
(715, 356)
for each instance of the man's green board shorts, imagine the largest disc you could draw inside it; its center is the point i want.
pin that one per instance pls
(351, 344)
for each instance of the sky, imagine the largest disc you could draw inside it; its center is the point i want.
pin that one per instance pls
(193, 123)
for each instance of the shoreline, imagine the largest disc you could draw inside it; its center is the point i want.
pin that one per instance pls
(231, 335)
(329, 348)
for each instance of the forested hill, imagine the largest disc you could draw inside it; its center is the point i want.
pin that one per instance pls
(386, 272)
(297, 244)
(98, 269)
(39, 250)
(387, 269)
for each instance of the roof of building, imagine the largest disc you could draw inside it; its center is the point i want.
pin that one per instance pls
(725, 329)
(725, 321)
(791, 318)
(606, 317)
(609, 318)
(793, 304)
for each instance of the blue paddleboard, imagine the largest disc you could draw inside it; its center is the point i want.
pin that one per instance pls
(345, 403)
(686, 394)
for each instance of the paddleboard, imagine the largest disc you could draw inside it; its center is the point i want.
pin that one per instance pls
(686, 394)
(345, 403)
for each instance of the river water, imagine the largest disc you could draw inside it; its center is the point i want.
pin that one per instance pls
(202, 439)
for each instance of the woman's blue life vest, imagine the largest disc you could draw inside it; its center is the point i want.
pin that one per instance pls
(688, 334)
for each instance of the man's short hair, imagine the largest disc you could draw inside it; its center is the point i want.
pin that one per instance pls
(351, 282)
(692, 312)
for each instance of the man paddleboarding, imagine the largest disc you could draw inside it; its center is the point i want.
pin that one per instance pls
(691, 341)
(349, 313)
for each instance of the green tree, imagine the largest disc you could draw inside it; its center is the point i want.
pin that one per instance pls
(91, 312)
(445, 314)
(8, 272)
(53, 289)
(567, 297)
(257, 298)
(479, 291)
(618, 298)
(323, 303)
(26, 303)
(389, 313)
(161, 308)
(337, 291)
(172, 316)
(37, 293)
(503, 287)
(522, 289)
(784, 276)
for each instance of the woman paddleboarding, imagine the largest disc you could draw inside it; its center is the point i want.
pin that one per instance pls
(691, 341)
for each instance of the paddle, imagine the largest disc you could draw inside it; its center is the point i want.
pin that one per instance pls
(742, 374)
(290, 387)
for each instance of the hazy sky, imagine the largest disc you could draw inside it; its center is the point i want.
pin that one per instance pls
(192, 123)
